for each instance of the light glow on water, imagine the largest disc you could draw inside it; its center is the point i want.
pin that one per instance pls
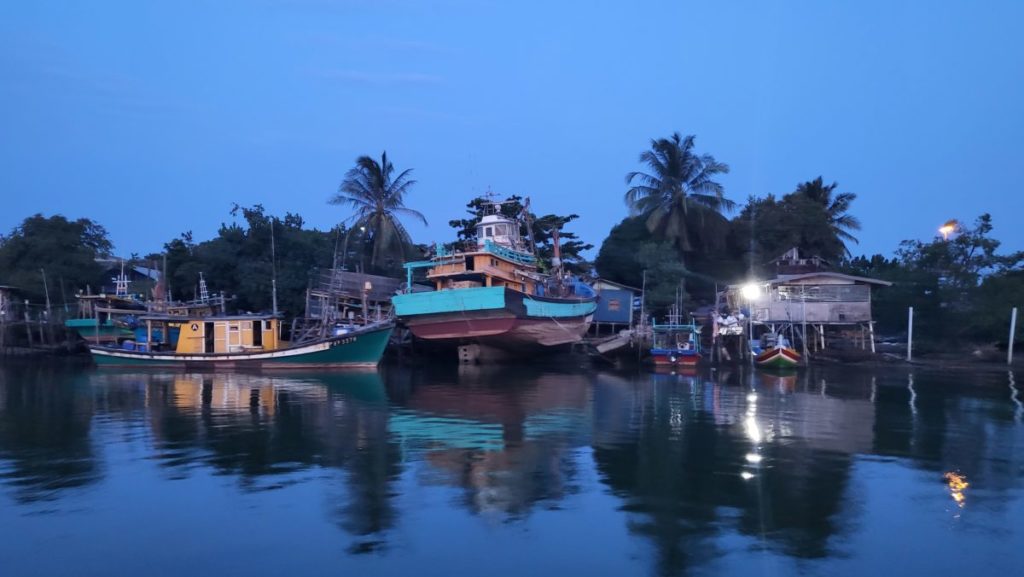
(957, 485)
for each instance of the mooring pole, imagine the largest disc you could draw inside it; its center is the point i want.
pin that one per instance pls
(1013, 332)
(910, 333)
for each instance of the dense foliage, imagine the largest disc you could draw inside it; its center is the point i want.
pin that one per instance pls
(961, 289)
(239, 261)
(64, 250)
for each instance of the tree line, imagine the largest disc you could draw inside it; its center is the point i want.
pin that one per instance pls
(682, 237)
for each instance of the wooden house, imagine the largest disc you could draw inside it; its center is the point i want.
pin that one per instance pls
(831, 305)
(615, 310)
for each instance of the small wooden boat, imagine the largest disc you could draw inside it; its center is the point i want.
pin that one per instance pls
(778, 357)
(243, 341)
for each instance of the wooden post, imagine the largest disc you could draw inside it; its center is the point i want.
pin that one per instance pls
(1013, 332)
(367, 287)
(803, 321)
(28, 325)
(910, 334)
(871, 333)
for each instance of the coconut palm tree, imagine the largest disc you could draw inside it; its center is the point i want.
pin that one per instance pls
(679, 194)
(836, 207)
(378, 200)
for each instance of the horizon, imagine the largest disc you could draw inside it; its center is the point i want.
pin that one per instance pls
(153, 119)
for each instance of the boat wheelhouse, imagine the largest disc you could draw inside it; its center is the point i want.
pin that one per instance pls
(675, 344)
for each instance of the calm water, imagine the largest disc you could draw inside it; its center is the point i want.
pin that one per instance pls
(509, 472)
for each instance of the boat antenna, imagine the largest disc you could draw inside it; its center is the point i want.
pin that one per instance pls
(167, 281)
(46, 289)
(273, 268)
(204, 294)
(121, 283)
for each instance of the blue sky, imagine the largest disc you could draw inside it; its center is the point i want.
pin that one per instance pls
(154, 117)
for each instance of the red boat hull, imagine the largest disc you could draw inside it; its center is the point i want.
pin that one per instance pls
(664, 359)
(778, 358)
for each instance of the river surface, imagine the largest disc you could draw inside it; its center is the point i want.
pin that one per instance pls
(513, 471)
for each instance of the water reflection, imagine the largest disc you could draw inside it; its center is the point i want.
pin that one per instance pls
(45, 425)
(695, 465)
(503, 438)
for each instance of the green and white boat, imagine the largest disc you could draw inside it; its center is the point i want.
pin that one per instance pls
(243, 342)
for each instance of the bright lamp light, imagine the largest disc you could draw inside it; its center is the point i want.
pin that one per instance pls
(750, 291)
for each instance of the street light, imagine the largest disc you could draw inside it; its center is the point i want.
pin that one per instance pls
(750, 291)
(948, 228)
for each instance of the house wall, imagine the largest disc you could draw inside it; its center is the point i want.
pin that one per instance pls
(793, 311)
(614, 306)
(835, 301)
(5, 305)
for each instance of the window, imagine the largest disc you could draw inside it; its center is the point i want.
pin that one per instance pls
(489, 231)
(501, 229)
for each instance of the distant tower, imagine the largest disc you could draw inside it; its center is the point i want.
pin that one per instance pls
(204, 294)
(121, 283)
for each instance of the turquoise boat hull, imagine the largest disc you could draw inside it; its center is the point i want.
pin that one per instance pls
(359, 349)
(499, 317)
(106, 332)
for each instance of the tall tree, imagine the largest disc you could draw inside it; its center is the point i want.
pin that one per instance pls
(837, 207)
(377, 198)
(777, 225)
(679, 196)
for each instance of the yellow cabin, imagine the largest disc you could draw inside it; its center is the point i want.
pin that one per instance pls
(204, 335)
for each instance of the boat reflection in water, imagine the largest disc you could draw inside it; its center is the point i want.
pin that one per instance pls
(462, 467)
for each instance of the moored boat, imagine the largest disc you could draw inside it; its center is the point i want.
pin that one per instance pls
(492, 300)
(675, 344)
(773, 350)
(778, 357)
(244, 341)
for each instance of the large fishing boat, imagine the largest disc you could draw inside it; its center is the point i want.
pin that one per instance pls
(492, 301)
(244, 341)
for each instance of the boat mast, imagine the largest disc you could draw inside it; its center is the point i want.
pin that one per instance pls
(273, 268)
(556, 255)
(528, 219)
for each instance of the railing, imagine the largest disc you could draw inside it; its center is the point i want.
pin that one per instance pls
(509, 254)
(822, 293)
